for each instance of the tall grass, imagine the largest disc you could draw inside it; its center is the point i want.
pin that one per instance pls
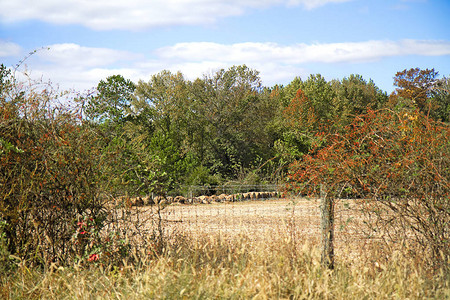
(215, 267)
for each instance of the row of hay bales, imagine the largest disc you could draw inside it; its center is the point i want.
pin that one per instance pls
(149, 200)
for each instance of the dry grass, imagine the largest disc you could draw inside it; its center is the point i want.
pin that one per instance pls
(249, 217)
(264, 250)
(299, 217)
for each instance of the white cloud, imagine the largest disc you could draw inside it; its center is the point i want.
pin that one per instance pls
(75, 56)
(311, 4)
(303, 53)
(137, 14)
(9, 49)
(74, 66)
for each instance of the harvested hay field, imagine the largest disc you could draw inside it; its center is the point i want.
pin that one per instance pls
(242, 250)
(295, 218)
(248, 217)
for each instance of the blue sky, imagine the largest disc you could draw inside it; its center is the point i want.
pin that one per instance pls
(85, 41)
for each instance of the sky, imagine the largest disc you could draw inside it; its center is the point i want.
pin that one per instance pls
(77, 43)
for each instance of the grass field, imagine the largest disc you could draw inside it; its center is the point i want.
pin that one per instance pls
(297, 217)
(247, 250)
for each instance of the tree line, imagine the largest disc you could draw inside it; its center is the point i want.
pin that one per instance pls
(170, 132)
(59, 164)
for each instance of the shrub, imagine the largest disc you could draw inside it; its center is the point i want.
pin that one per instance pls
(48, 176)
(399, 163)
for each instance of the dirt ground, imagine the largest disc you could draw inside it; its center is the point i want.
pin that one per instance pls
(295, 218)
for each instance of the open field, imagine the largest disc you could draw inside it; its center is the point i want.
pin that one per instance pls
(297, 218)
(242, 250)
(248, 217)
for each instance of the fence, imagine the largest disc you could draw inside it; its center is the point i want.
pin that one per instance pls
(295, 217)
(341, 224)
(208, 194)
(198, 190)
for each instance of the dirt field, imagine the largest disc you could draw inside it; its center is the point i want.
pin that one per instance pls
(295, 218)
(248, 217)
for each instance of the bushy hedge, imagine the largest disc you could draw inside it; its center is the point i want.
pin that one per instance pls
(49, 172)
(398, 161)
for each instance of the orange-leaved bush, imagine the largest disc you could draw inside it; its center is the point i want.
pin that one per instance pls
(399, 162)
(48, 177)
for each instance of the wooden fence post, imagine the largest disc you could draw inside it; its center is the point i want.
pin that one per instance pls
(327, 214)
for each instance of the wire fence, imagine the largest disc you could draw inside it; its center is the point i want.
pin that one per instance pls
(257, 217)
(229, 189)
(254, 217)
(261, 212)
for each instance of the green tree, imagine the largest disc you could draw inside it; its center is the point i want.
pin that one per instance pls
(166, 101)
(309, 113)
(112, 103)
(288, 92)
(320, 94)
(354, 95)
(235, 113)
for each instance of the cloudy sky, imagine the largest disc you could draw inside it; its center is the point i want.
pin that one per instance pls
(80, 42)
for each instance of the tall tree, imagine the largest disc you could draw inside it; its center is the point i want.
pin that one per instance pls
(112, 103)
(309, 113)
(354, 95)
(166, 101)
(416, 85)
(234, 114)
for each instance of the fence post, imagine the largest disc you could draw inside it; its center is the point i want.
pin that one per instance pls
(327, 214)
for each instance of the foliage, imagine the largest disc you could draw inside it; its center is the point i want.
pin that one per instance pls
(420, 89)
(400, 162)
(209, 266)
(58, 166)
(209, 122)
(234, 112)
(164, 103)
(354, 96)
(226, 122)
(311, 108)
(112, 103)
(318, 107)
(415, 84)
(441, 100)
(300, 114)
(6, 261)
(50, 180)
(55, 182)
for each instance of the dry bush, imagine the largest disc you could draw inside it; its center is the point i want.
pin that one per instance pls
(54, 204)
(398, 162)
(48, 179)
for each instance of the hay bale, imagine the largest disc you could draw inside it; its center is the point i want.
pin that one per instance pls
(229, 198)
(158, 199)
(148, 201)
(222, 197)
(137, 201)
(180, 199)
